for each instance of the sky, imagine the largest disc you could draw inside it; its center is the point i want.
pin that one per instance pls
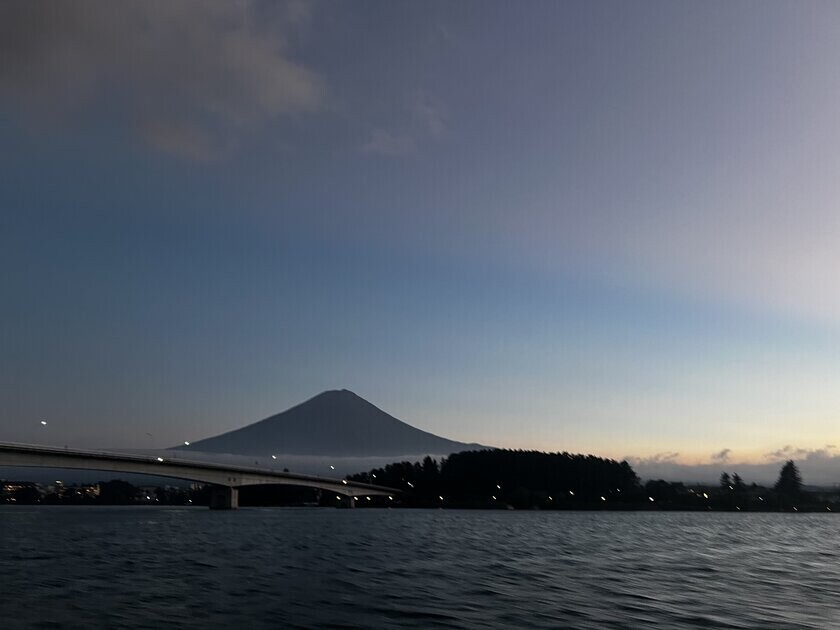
(599, 227)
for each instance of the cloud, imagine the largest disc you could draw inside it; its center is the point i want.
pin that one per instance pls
(428, 115)
(659, 458)
(787, 452)
(384, 142)
(180, 139)
(721, 456)
(187, 77)
(424, 120)
(819, 466)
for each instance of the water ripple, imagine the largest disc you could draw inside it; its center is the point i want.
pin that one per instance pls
(146, 567)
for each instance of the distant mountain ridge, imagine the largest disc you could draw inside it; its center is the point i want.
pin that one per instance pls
(335, 422)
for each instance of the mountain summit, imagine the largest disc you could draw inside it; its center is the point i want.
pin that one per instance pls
(336, 422)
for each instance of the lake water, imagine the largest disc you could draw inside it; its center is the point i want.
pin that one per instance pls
(85, 567)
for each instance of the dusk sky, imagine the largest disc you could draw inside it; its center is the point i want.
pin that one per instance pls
(601, 227)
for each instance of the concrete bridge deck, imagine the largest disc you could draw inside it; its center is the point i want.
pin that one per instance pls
(226, 478)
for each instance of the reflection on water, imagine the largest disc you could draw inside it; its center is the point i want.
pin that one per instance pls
(146, 567)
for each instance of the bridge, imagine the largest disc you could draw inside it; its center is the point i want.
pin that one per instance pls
(224, 479)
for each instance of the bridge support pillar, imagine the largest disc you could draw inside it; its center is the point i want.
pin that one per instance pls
(224, 498)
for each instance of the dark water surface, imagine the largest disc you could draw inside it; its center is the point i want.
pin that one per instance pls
(88, 567)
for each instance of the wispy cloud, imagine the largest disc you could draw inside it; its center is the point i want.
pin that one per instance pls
(658, 458)
(792, 452)
(429, 116)
(819, 466)
(181, 139)
(188, 77)
(383, 142)
(422, 120)
(786, 452)
(722, 456)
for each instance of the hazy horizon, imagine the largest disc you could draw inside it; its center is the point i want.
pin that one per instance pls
(599, 227)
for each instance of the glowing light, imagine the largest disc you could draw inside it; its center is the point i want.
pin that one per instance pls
(551, 498)
(498, 487)
(761, 498)
(332, 467)
(355, 498)
(440, 497)
(344, 481)
(795, 510)
(372, 475)
(160, 459)
(737, 508)
(705, 496)
(410, 484)
(368, 498)
(494, 497)
(603, 498)
(186, 443)
(274, 457)
(390, 498)
(650, 499)
(571, 493)
(43, 423)
(338, 497)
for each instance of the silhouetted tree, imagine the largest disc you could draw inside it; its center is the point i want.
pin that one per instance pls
(430, 468)
(663, 493)
(789, 485)
(725, 481)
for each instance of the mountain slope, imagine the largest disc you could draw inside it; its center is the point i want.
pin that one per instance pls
(336, 422)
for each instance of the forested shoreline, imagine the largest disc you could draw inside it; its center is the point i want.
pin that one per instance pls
(479, 479)
(505, 479)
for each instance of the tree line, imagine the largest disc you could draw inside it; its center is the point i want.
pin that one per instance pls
(503, 477)
(519, 479)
